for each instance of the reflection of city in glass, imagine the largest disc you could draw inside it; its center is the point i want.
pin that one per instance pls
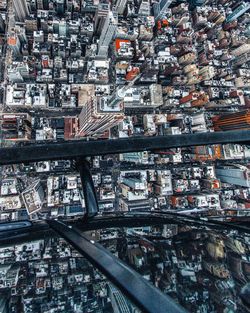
(204, 270)
(47, 275)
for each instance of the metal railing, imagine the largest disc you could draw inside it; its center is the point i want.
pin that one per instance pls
(81, 148)
(143, 294)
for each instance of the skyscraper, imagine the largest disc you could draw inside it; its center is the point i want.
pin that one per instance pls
(14, 43)
(107, 34)
(39, 4)
(2, 24)
(232, 121)
(241, 9)
(97, 117)
(21, 9)
(3, 305)
(160, 8)
(100, 17)
(33, 197)
(60, 7)
(120, 6)
(235, 174)
(144, 8)
(118, 301)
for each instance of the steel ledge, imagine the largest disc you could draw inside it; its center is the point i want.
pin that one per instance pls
(82, 148)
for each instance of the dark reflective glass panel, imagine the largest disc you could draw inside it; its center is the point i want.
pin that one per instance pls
(204, 270)
(47, 275)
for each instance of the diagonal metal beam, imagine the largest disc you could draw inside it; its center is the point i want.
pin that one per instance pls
(82, 148)
(143, 294)
(88, 187)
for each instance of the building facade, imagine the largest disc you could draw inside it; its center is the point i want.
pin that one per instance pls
(96, 118)
(21, 9)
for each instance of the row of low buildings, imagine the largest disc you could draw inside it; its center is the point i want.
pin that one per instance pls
(197, 189)
(155, 50)
(141, 181)
(48, 275)
(112, 122)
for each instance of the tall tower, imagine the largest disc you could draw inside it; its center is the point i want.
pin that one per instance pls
(241, 9)
(60, 7)
(21, 9)
(160, 8)
(97, 116)
(107, 34)
(2, 24)
(14, 43)
(144, 8)
(116, 99)
(120, 6)
(119, 303)
(232, 121)
(235, 174)
(39, 4)
(100, 17)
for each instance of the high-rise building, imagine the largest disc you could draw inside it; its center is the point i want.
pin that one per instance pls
(232, 121)
(14, 43)
(160, 8)
(117, 97)
(118, 301)
(107, 34)
(156, 97)
(207, 72)
(100, 17)
(3, 5)
(241, 59)
(39, 4)
(38, 36)
(241, 9)
(60, 7)
(46, 4)
(2, 24)
(135, 157)
(120, 6)
(21, 34)
(33, 197)
(97, 117)
(63, 28)
(42, 4)
(244, 48)
(18, 71)
(31, 24)
(195, 3)
(3, 305)
(163, 185)
(144, 8)
(21, 9)
(135, 191)
(235, 174)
